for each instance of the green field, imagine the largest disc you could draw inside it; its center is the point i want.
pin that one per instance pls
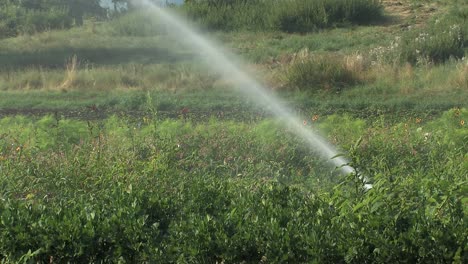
(117, 144)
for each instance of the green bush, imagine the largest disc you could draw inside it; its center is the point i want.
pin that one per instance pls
(146, 191)
(283, 15)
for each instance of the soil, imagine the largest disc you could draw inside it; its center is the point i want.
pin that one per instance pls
(406, 13)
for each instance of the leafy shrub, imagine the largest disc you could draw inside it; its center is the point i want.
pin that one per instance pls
(337, 126)
(201, 193)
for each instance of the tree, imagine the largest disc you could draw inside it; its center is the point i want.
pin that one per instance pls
(30, 16)
(78, 8)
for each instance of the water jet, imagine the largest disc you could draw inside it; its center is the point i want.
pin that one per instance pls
(225, 63)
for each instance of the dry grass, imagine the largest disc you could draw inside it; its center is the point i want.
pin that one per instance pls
(306, 70)
(70, 77)
(79, 76)
(460, 79)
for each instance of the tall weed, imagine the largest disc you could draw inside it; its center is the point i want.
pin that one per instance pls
(322, 72)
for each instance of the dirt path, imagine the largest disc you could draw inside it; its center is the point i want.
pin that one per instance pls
(399, 8)
(405, 13)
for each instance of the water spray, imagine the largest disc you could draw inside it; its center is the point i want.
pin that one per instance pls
(229, 66)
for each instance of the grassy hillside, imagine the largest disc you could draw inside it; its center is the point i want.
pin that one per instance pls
(130, 57)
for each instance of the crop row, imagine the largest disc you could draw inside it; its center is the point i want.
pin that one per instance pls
(176, 191)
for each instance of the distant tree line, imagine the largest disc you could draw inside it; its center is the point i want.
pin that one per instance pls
(30, 16)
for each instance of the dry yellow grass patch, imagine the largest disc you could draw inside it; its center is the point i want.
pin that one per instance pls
(70, 77)
(461, 77)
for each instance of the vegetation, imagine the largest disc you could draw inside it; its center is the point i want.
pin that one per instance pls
(176, 191)
(441, 40)
(117, 146)
(321, 72)
(287, 16)
(31, 16)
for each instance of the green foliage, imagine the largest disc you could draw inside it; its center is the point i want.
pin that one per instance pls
(28, 17)
(288, 16)
(343, 128)
(443, 38)
(438, 43)
(136, 24)
(16, 20)
(141, 190)
(174, 191)
(310, 15)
